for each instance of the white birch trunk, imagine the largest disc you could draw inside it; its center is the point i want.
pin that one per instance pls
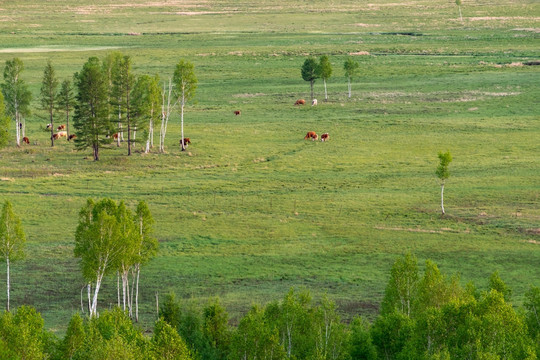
(7, 262)
(325, 92)
(460, 17)
(118, 287)
(442, 197)
(93, 309)
(17, 128)
(137, 294)
(182, 122)
(89, 290)
(349, 85)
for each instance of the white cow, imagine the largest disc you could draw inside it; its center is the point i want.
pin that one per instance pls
(314, 102)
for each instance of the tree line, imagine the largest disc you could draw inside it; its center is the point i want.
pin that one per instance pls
(106, 101)
(425, 316)
(312, 70)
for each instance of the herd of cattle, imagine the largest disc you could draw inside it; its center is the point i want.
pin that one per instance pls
(62, 133)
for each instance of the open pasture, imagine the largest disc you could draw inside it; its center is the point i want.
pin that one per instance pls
(251, 209)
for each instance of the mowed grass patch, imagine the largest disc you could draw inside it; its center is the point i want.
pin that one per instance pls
(251, 209)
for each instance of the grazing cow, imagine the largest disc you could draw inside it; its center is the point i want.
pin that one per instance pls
(61, 127)
(300, 102)
(49, 126)
(187, 141)
(26, 140)
(60, 134)
(72, 136)
(20, 125)
(325, 137)
(237, 112)
(115, 136)
(314, 102)
(311, 135)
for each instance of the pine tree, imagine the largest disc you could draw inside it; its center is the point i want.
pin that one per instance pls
(91, 111)
(309, 72)
(48, 92)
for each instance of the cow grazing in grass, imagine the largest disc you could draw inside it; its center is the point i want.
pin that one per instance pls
(325, 137)
(187, 141)
(26, 140)
(300, 102)
(59, 135)
(311, 135)
(314, 102)
(61, 127)
(49, 126)
(237, 112)
(72, 136)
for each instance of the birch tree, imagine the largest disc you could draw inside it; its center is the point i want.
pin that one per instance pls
(402, 287)
(310, 72)
(97, 244)
(351, 69)
(146, 99)
(48, 92)
(325, 71)
(128, 239)
(16, 95)
(166, 110)
(110, 67)
(91, 111)
(146, 248)
(185, 83)
(458, 3)
(4, 123)
(66, 101)
(443, 173)
(12, 239)
(123, 82)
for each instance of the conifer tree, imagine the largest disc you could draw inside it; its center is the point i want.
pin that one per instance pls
(310, 72)
(48, 92)
(91, 111)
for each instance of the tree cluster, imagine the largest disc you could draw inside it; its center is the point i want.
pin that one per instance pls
(106, 100)
(423, 317)
(312, 70)
(110, 239)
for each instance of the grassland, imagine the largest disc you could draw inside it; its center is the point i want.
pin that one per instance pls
(252, 209)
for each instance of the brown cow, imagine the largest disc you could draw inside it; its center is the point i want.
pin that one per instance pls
(311, 135)
(59, 135)
(300, 102)
(61, 127)
(237, 112)
(187, 141)
(72, 136)
(325, 137)
(26, 140)
(115, 136)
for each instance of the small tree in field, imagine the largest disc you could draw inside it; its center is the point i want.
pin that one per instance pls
(443, 173)
(16, 95)
(185, 82)
(458, 3)
(351, 69)
(325, 71)
(66, 101)
(12, 239)
(49, 89)
(310, 72)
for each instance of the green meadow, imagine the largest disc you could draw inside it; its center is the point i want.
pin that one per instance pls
(251, 209)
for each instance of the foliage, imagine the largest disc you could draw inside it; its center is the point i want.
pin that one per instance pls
(167, 344)
(362, 346)
(310, 72)
(49, 94)
(4, 123)
(91, 112)
(442, 169)
(496, 283)
(185, 83)
(403, 286)
(66, 100)
(17, 96)
(23, 336)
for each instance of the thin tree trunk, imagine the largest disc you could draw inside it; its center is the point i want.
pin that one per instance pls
(120, 132)
(137, 295)
(182, 123)
(17, 129)
(89, 290)
(311, 83)
(325, 92)
(93, 311)
(67, 122)
(460, 17)
(7, 262)
(118, 286)
(349, 86)
(442, 197)
(52, 128)
(157, 304)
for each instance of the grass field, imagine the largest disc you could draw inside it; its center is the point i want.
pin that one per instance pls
(252, 209)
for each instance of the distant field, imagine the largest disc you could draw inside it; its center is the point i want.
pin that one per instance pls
(252, 209)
